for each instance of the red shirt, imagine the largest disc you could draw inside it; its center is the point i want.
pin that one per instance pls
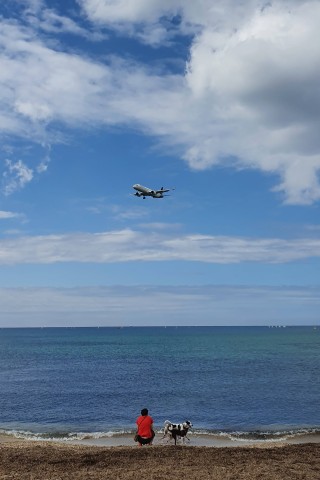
(144, 426)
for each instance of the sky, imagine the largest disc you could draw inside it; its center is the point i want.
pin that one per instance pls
(218, 99)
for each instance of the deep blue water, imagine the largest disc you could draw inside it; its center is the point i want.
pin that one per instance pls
(224, 379)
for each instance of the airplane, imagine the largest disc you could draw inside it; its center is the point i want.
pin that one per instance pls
(144, 192)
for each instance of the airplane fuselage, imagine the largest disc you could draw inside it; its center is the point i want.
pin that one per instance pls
(144, 192)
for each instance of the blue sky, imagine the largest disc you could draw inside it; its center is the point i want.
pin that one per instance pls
(217, 99)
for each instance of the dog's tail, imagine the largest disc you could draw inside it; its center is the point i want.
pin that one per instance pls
(166, 426)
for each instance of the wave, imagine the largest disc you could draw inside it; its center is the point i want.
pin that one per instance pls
(63, 436)
(261, 435)
(219, 435)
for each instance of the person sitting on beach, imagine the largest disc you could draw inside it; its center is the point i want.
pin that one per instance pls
(145, 433)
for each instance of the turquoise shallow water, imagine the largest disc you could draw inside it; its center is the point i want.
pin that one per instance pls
(248, 382)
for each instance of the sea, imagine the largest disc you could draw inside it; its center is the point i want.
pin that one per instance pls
(241, 383)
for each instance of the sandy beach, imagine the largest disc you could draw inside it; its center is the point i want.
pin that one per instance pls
(28, 460)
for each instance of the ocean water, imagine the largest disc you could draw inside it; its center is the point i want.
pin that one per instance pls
(239, 382)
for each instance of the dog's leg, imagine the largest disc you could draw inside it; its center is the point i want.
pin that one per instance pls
(165, 431)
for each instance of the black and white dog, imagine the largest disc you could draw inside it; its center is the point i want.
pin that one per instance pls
(174, 430)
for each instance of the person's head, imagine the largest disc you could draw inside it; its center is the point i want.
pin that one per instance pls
(144, 412)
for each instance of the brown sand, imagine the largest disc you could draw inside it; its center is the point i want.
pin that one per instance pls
(47, 461)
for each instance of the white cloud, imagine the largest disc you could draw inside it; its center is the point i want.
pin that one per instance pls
(51, 22)
(41, 84)
(129, 245)
(250, 92)
(190, 16)
(147, 20)
(31, 5)
(118, 11)
(5, 215)
(134, 306)
(262, 84)
(253, 75)
(16, 176)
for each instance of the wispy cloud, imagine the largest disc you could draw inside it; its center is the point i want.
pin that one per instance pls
(4, 215)
(16, 176)
(112, 306)
(49, 21)
(130, 245)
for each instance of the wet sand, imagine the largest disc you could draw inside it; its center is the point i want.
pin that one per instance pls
(28, 460)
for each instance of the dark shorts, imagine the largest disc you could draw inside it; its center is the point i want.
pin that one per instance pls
(144, 441)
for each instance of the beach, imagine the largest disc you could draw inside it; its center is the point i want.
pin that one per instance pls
(69, 405)
(28, 460)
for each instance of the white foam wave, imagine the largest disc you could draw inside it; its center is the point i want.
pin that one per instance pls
(62, 436)
(234, 436)
(259, 436)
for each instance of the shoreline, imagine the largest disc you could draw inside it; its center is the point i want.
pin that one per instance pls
(195, 440)
(26, 460)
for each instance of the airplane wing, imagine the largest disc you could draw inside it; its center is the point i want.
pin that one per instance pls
(164, 190)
